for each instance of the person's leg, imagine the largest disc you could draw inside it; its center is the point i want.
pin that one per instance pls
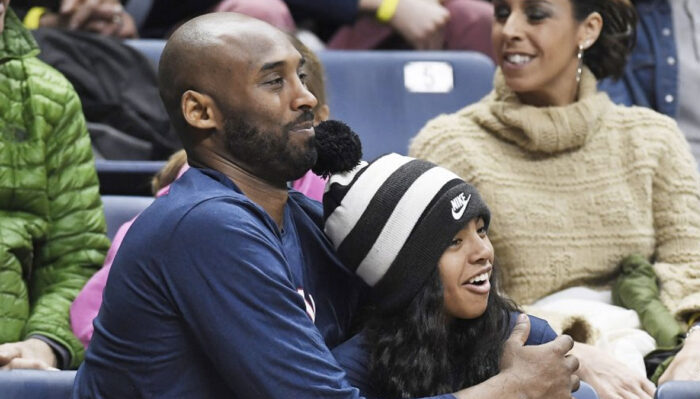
(469, 27)
(274, 12)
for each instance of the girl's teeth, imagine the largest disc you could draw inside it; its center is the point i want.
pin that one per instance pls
(479, 278)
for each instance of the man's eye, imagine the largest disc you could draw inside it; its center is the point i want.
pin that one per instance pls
(275, 82)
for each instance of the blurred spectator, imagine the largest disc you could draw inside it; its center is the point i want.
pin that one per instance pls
(151, 18)
(382, 24)
(52, 229)
(663, 71)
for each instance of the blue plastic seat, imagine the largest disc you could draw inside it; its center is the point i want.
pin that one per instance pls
(126, 177)
(678, 390)
(151, 48)
(585, 391)
(388, 96)
(36, 384)
(122, 208)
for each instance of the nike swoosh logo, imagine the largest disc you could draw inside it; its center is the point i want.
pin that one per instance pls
(457, 213)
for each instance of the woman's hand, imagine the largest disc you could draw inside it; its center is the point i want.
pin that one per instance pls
(686, 365)
(610, 378)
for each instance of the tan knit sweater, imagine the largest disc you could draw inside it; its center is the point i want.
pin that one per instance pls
(575, 189)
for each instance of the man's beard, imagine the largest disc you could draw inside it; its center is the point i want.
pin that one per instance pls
(270, 154)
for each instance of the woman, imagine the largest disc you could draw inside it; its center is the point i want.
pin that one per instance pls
(578, 183)
(417, 235)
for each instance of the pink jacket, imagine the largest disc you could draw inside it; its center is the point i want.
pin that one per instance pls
(87, 304)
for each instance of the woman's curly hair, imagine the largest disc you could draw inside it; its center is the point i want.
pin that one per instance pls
(608, 55)
(421, 352)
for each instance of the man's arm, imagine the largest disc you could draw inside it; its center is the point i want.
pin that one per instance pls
(249, 320)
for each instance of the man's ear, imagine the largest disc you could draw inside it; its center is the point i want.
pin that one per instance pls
(199, 110)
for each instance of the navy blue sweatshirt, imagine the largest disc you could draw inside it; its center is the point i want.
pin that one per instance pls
(207, 298)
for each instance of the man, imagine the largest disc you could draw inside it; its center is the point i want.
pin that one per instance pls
(226, 286)
(52, 230)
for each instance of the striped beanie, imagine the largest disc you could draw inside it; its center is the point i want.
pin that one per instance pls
(391, 220)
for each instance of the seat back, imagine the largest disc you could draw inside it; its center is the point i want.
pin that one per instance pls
(678, 390)
(585, 391)
(388, 96)
(151, 48)
(35, 384)
(122, 208)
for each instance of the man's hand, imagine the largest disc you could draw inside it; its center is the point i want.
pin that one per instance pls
(421, 23)
(611, 378)
(542, 371)
(686, 365)
(30, 354)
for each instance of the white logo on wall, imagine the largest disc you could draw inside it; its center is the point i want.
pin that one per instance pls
(459, 205)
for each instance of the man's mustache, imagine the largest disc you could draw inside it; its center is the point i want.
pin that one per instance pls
(306, 116)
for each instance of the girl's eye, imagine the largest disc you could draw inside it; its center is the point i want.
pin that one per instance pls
(455, 242)
(483, 231)
(303, 76)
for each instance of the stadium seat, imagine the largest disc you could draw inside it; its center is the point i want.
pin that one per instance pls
(388, 96)
(126, 177)
(121, 208)
(585, 391)
(151, 48)
(36, 384)
(678, 390)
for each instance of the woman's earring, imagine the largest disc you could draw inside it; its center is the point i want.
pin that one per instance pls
(579, 71)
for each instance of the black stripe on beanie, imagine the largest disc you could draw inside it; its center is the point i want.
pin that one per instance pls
(363, 235)
(421, 253)
(335, 192)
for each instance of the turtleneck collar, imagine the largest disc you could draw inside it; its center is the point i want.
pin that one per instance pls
(543, 129)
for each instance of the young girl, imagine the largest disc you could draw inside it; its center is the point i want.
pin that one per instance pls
(417, 235)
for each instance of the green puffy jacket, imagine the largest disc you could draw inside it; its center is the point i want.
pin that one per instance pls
(52, 228)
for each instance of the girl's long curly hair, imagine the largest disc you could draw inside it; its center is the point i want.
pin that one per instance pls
(420, 351)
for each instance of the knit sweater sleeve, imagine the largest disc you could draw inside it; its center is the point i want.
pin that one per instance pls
(75, 242)
(676, 208)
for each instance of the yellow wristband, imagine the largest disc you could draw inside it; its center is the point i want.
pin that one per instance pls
(386, 10)
(31, 20)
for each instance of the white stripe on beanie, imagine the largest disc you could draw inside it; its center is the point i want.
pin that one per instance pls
(345, 178)
(344, 217)
(401, 222)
